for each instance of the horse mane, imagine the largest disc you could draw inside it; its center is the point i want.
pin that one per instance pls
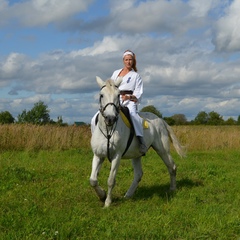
(110, 83)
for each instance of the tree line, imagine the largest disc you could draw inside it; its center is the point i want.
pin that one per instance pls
(202, 118)
(40, 114)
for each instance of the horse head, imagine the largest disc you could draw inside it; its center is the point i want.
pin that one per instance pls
(109, 100)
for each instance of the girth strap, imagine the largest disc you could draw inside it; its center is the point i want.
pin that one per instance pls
(124, 112)
(129, 140)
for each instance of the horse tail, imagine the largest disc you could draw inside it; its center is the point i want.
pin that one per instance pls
(179, 148)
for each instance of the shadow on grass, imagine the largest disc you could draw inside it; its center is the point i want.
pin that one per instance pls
(162, 191)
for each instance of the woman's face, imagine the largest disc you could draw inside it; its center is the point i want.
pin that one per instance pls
(128, 61)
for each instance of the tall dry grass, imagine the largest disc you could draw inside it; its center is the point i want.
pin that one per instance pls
(49, 137)
(207, 138)
(33, 137)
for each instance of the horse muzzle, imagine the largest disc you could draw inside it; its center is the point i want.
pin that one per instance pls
(110, 120)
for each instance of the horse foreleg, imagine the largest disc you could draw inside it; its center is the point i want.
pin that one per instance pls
(112, 180)
(137, 167)
(96, 165)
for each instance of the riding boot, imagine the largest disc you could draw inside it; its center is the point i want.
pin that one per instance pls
(142, 146)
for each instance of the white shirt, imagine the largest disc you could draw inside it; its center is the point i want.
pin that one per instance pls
(131, 81)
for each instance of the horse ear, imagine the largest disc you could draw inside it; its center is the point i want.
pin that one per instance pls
(118, 81)
(100, 82)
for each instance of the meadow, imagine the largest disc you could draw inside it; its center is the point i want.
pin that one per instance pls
(45, 190)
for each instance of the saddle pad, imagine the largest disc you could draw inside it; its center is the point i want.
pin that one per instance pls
(127, 122)
(125, 119)
(145, 123)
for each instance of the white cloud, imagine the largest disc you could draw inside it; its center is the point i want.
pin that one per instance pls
(153, 16)
(42, 12)
(227, 29)
(230, 105)
(201, 8)
(12, 65)
(106, 45)
(160, 16)
(115, 7)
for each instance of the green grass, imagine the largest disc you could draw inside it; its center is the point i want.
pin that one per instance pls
(47, 195)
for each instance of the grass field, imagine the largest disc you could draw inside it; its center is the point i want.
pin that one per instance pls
(45, 194)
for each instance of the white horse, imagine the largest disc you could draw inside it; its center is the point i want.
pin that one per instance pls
(110, 139)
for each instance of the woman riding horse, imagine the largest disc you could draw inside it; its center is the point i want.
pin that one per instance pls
(131, 89)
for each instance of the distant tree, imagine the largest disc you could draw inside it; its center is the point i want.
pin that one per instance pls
(23, 117)
(238, 120)
(215, 118)
(169, 120)
(59, 120)
(180, 119)
(152, 109)
(201, 118)
(6, 117)
(39, 114)
(230, 121)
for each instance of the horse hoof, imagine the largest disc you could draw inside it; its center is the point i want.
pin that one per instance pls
(103, 198)
(128, 196)
(107, 204)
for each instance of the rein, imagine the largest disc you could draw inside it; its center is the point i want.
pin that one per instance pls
(108, 137)
(113, 128)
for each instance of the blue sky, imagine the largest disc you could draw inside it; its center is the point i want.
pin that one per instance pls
(187, 54)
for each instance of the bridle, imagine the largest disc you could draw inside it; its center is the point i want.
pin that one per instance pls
(110, 128)
(103, 108)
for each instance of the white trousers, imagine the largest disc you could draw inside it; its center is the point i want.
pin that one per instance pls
(136, 119)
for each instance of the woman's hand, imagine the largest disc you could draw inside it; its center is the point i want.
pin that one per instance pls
(129, 97)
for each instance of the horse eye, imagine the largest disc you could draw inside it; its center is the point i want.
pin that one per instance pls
(101, 95)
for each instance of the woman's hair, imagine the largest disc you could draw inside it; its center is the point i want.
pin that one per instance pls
(134, 66)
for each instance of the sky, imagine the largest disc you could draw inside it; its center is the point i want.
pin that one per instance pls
(188, 54)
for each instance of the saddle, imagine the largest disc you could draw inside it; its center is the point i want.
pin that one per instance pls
(125, 115)
(127, 119)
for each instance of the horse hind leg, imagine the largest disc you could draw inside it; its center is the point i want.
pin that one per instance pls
(172, 169)
(137, 167)
(164, 153)
(173, 173)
